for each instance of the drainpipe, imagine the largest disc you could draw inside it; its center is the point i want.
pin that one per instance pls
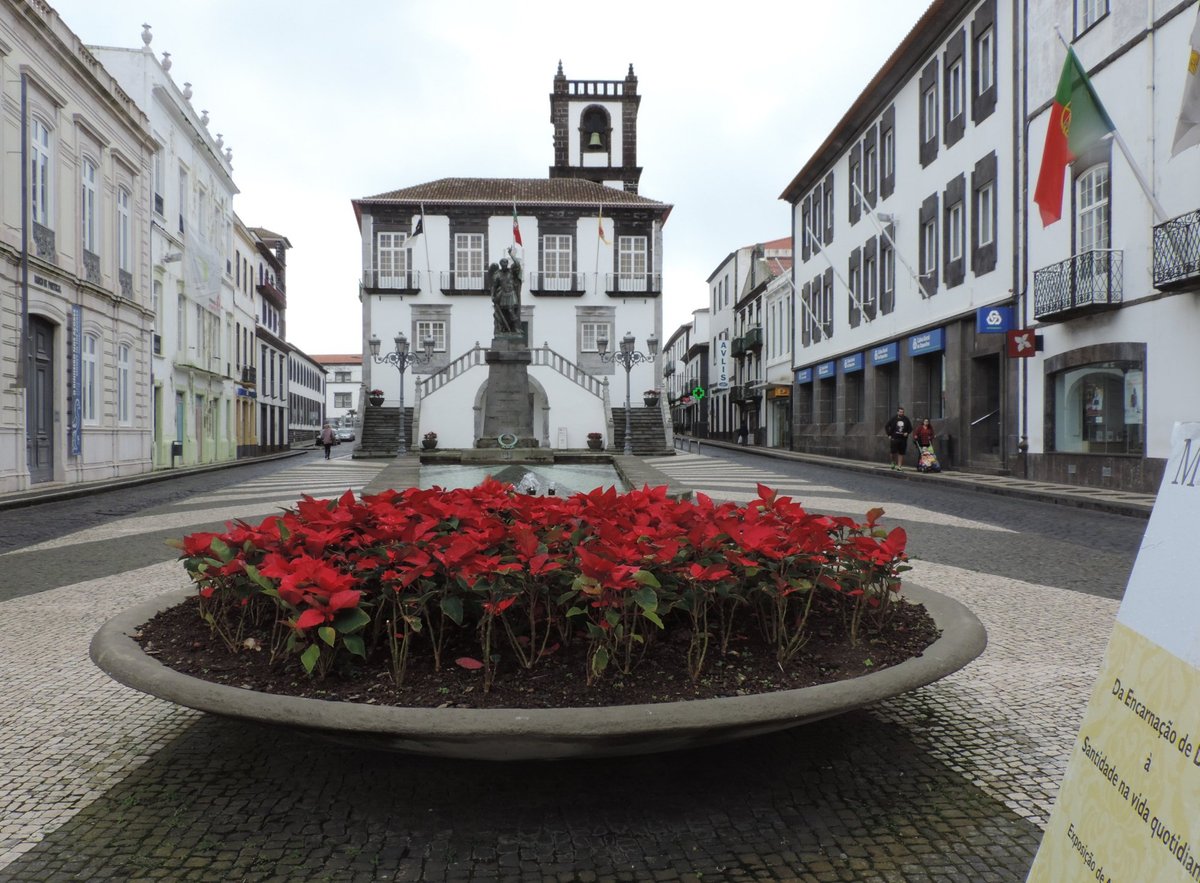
(23, 356)
(1021, 216)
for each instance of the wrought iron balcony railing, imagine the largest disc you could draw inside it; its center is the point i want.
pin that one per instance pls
(463, 283)
(1177, 252)
(249, 377)
(392, 280)
(668, 369)
(566, 284)
(753, 338)
(737, 347)
(646, 284)
(1090, 282)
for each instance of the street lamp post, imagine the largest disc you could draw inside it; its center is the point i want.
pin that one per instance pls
(627, 357)
(400, 358)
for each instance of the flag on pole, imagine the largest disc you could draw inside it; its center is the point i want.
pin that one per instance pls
(600, 226)
(1077, 121)
(1187, 133)
(419, 227)
(516, 228)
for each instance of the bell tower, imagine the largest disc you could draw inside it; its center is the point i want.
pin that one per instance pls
(595, 130)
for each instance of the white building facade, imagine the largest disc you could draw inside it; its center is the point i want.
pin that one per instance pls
(591, 258)
(1112, 287)
(191, 247)
(906, 221)
(343, 386)
(306, 396)
(76, 311)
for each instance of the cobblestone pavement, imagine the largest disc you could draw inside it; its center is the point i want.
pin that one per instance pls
(952, 782)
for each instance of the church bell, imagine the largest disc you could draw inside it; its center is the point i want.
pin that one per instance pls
(595, 142)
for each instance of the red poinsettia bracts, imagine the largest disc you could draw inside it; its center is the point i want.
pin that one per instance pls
(403, 569)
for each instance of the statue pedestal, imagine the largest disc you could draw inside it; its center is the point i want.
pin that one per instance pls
(508, 407)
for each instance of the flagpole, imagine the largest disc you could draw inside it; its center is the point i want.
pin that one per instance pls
(1159, 211)
(425, 236)
(869, 211)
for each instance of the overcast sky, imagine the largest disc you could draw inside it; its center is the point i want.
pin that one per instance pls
(324, 102)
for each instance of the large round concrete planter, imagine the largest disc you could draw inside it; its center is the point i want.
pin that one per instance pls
(526, 734)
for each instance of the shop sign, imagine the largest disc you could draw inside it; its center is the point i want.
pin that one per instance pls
(826, 370)
(993, 320)
(1022, 343)
(722, 365)
(853, 363)
(804, 375)
(927, 342)
(780, 392)
(882, 355)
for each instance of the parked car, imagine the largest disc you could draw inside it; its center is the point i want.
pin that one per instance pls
(345, 433)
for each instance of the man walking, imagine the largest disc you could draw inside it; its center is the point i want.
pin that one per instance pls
(898, 429)
(328, 437)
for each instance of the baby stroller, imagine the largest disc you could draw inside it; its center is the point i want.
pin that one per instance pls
(928, 461)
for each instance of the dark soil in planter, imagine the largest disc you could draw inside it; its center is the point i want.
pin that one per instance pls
(179, 639)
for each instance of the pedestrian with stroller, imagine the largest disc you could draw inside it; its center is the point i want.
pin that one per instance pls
(926, 459)
(898, 429)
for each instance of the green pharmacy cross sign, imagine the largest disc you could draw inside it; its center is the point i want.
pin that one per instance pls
(698, 392)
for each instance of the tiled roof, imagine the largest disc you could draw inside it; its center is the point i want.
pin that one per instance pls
(522, 191)
(264, 234)
(355, 359)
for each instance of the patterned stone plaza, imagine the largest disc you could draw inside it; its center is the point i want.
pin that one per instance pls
(951, 783)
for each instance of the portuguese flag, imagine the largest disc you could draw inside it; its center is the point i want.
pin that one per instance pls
(1077, 121)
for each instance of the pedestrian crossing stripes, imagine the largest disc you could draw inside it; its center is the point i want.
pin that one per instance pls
(251, 501)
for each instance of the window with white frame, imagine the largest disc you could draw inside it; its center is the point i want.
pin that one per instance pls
(342, 377)
(556, 262)
(632, 262)
(591, 332)
(87, 207)
(39, 172)
(158, 179)
(955, 233)
(90, 379)
(888, 153)
(124, 232)
(1088, 12)
(817, 215)
(156, 305)
(984, 55)
(931, 115)
(434, 329)
(124, 385)
(887, 278)
(954, 86)
(391, 257)
(827, 195)
(870, 285)
(929, 247)
(869, 164)
(986, 198)
(468, 260)
(343, 400)
(1092, 210)
(855, 285)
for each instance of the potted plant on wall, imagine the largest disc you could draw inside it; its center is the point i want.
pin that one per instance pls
(595, 441)
(429, 441)
(375, 397)
(650, 398)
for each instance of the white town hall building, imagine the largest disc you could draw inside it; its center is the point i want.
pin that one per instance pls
(592, 254)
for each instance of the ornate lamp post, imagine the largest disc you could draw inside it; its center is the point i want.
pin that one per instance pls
(627, 357)
(400, 358)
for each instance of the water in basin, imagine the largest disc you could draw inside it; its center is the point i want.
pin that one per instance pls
(561, 479)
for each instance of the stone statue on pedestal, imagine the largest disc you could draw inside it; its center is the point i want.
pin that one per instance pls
(505, 282)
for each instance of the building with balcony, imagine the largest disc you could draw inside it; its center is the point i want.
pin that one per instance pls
(591, 251)
(269, 277)
(763, 403)
(1113, 287)
(906, 221)
(686, 375)
(75, 294)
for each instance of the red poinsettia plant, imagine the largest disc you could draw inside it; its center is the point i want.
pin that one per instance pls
(403, 571)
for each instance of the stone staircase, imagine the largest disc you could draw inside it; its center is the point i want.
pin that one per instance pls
(380, 433)
(647, 429)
